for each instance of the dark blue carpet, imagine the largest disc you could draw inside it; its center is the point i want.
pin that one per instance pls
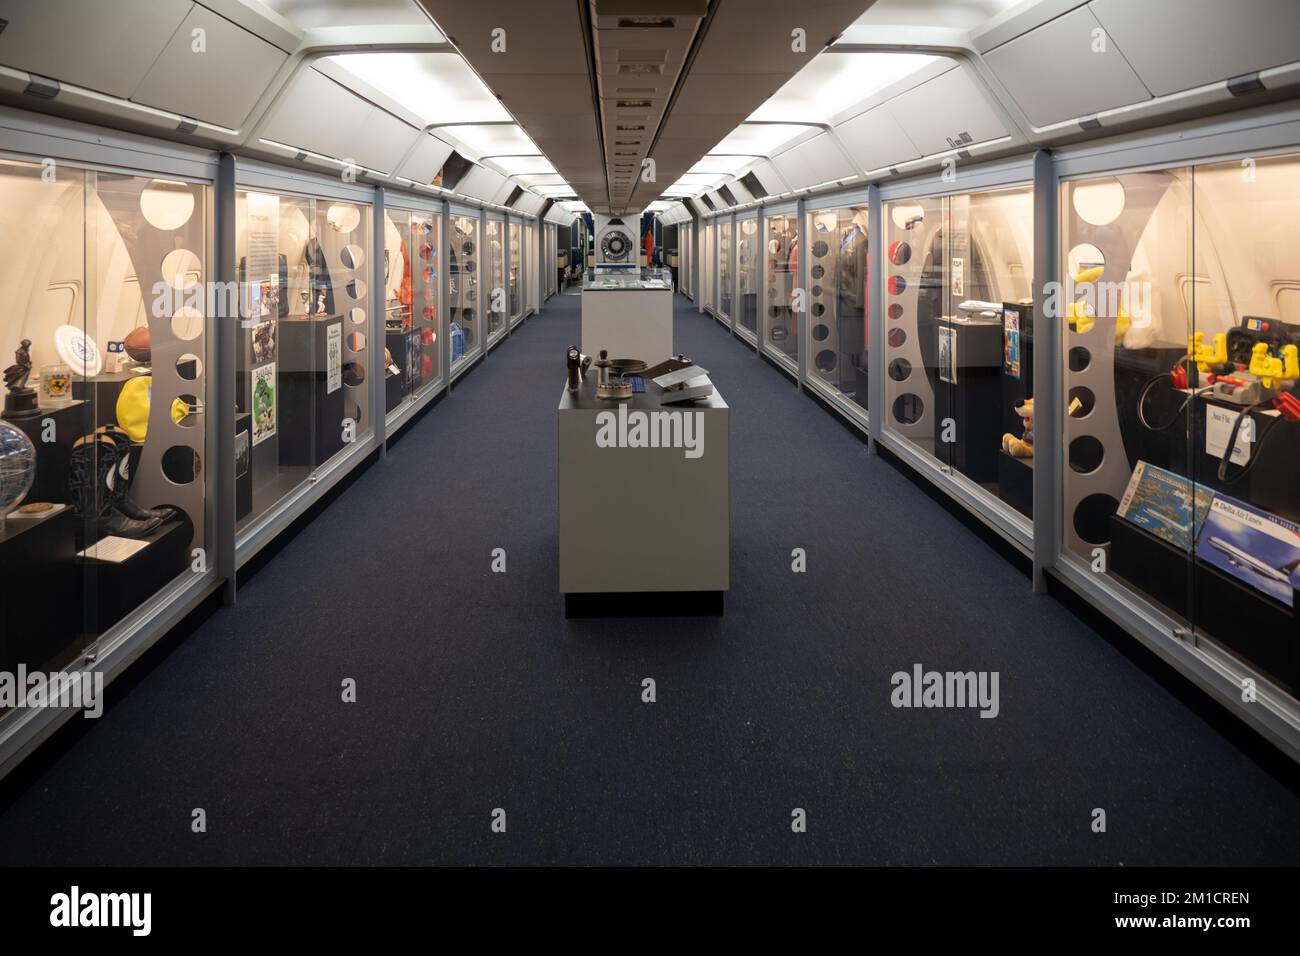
(475, 693)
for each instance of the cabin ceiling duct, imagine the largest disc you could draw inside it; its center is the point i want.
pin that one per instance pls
(602, 86)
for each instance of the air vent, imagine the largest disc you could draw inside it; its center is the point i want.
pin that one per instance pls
(708, 202)
(728, 196)
(640, 69)
(633, 104)
(515, 195)
(629, 129)
(634, 90)
(647, 23)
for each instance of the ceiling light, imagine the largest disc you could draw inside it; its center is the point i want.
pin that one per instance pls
(437, 87)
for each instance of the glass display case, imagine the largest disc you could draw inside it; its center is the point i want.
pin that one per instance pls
(747, 276)
(496, 281)
(527, 266)
(959, 336)
(781, 272)
(516, 270)
(104, 479)
(1181, 428)
(620, 279)
(412, 325)
(303, 267)
(726, 285)
(837, 302)
(463, 290)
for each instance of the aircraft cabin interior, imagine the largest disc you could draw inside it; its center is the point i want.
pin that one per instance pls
(659, 433)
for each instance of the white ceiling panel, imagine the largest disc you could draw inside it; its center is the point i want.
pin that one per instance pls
(833, 82)
(492, 140)
(437, 87)
(1080, 82)
(346, 13)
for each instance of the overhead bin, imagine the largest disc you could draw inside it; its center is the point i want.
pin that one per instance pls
(381, 142)
(814, 162)
(1080, 80)
(946, 113)
(769, 178)
(108, 47)
(876, 140)
(296, 119)
(481, 183)
(503, 192)
(1181, 44)
(559, 216)
(425, 160)
(738, 190)
(220, 86)
(144, 51)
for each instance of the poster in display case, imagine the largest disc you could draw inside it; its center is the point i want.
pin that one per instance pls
(264, 411)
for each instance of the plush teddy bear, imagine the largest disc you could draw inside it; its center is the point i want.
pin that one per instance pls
(1021, 447)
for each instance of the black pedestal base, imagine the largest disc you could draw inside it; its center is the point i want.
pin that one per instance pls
(21, 403)
(645, 604)
(1016, 482)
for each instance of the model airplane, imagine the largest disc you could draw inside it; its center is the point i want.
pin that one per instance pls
(1241, 559)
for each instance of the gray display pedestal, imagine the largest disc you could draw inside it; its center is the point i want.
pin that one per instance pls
(645, 519)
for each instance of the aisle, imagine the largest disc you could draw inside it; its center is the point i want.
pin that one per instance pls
(474, 693)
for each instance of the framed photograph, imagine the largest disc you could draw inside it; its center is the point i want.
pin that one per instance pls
(241, 454)
(264, 342)
(334, 358)
(948, 354)
(1011, 342)
(264, 410)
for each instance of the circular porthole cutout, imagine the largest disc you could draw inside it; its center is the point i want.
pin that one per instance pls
(167, 205)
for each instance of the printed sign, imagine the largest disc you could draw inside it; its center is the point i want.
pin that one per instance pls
(334, 358)
(1218, 427)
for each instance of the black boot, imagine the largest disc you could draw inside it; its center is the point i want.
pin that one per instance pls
(121, 483)
(93, 486)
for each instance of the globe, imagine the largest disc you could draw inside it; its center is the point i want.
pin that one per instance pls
(17, 467)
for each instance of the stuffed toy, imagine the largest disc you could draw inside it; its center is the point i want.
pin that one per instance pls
(1021, 447)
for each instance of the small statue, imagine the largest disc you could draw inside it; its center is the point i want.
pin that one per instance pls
(20, 401)
(16, 374)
